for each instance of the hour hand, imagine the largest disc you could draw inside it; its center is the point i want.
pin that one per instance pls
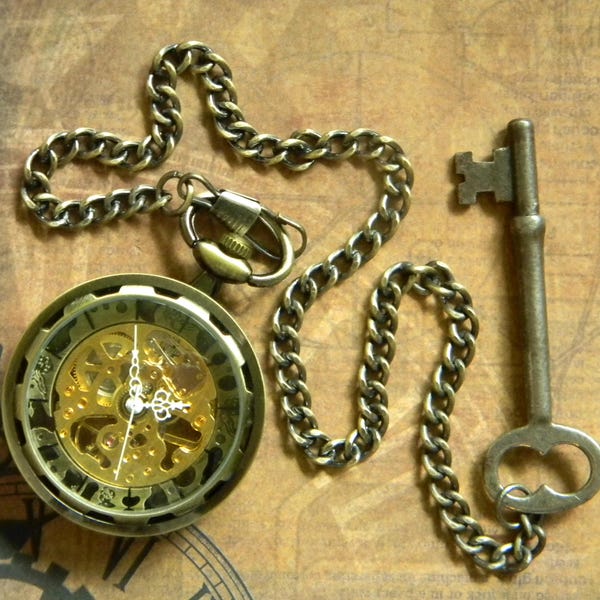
(162, 405)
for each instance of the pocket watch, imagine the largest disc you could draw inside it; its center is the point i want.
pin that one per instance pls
(134, 403)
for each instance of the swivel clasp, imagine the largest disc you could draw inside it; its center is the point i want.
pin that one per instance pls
(227, 258)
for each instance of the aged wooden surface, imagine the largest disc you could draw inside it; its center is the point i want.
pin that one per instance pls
(440, 78)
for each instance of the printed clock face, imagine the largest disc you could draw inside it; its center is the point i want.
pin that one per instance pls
(132, 404)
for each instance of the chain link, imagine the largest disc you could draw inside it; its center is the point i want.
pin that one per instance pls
(300, 152)
(434, 279)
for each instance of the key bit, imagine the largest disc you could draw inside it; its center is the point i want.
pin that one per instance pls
(512, 176)
(494, 176)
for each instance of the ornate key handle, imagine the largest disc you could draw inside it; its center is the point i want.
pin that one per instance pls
(226, 259)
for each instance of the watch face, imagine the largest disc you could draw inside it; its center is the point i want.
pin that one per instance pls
(132, 404)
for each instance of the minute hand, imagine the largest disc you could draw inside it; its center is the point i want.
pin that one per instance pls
(135, 396)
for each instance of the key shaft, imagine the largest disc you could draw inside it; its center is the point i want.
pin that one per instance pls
(528, 228)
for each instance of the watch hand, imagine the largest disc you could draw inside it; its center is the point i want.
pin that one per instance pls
(134, 403)
(135, 383)
(127, 431)
(161, 405)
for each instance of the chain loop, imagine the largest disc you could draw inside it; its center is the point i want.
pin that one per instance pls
(434, 279)
(299, 152)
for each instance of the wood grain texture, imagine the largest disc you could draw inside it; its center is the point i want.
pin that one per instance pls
(440, 78)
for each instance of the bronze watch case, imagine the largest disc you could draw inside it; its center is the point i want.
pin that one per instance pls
(67, 404)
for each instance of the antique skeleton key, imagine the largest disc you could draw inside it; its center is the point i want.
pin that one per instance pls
(512, 177)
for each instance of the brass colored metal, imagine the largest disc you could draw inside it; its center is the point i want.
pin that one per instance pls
(237, 245)
(146, 387)
(133, 404)
(221, 263)
(227, 259)
(512, 176)
(91, 411)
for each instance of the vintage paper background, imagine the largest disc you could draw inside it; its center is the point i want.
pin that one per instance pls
(439, 77)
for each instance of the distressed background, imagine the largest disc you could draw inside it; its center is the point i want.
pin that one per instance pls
(438, 77)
